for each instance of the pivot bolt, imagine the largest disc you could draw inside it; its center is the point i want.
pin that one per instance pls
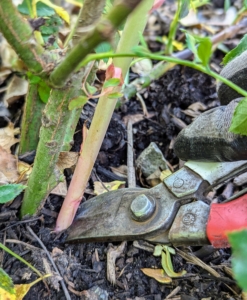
(142, 207)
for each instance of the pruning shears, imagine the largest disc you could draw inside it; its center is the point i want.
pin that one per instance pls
(171, 213)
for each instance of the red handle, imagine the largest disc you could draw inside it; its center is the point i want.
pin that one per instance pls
(224, 218)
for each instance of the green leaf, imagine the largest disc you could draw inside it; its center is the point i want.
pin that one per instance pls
(241, 47)
(111, 82)
(91, 89)
(8, 192)
(184, 8)
(44, 91)
(239, 119)
(77, 102)
(158, 250)
(6, 284)
(166, 263)
(238, 241)
(102, 48)
(42, 9)
(33, 79)
(245, 4)
(191, 44)
(115, 95)
(204, 49)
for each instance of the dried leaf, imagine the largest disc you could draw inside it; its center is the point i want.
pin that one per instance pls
(67, 159)
(154, 178)
(104, 187)
(7, 136)
(22, 289)
(8, 165)
(60, 189)
(16, 88)
(136, 118)
(112, 255)
(24, 170)
(120, 171)
(157, 274)
(142, 67)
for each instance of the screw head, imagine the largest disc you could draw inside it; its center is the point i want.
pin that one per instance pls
(142, 207)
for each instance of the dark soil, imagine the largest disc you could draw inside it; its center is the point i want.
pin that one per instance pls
(77, 263)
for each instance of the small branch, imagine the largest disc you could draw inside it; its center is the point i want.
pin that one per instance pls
(130, 157)
(102, 32)
(18, 33)
(66, 293)
(174, 61)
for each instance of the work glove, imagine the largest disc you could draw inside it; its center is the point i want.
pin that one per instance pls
(208, 137)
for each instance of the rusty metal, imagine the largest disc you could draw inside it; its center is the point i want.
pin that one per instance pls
(164, 214)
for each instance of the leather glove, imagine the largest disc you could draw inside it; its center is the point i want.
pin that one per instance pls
(208, 137)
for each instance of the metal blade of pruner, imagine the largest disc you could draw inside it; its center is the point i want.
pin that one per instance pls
(166, 213)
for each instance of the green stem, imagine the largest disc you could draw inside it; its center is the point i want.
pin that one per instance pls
(89, 14)
(170, 60)
(31, 120)
(173, 30)
(18, 33)
(6, 249)
(102, 32)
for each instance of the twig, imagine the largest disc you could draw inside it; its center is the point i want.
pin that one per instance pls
(31, 247)
(130, 157)
(173, 293)
(66, 293)
(22, 222)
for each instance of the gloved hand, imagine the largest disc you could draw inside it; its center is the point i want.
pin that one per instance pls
(208, 137)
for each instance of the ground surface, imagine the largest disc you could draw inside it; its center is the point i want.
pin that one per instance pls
(83, 266)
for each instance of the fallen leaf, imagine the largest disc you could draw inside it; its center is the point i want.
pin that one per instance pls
(136, 118)
(8, 166)
(104, 187)
(7, 136)
(24, 171)
(154, 178)
(17, 88)
(112, 254)
(157, 274)
(8, 192)
(166, 263)
(120, 171)
(22, 289)
(67, 159)
(60, 189)
(142, 67)
(7, 289)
